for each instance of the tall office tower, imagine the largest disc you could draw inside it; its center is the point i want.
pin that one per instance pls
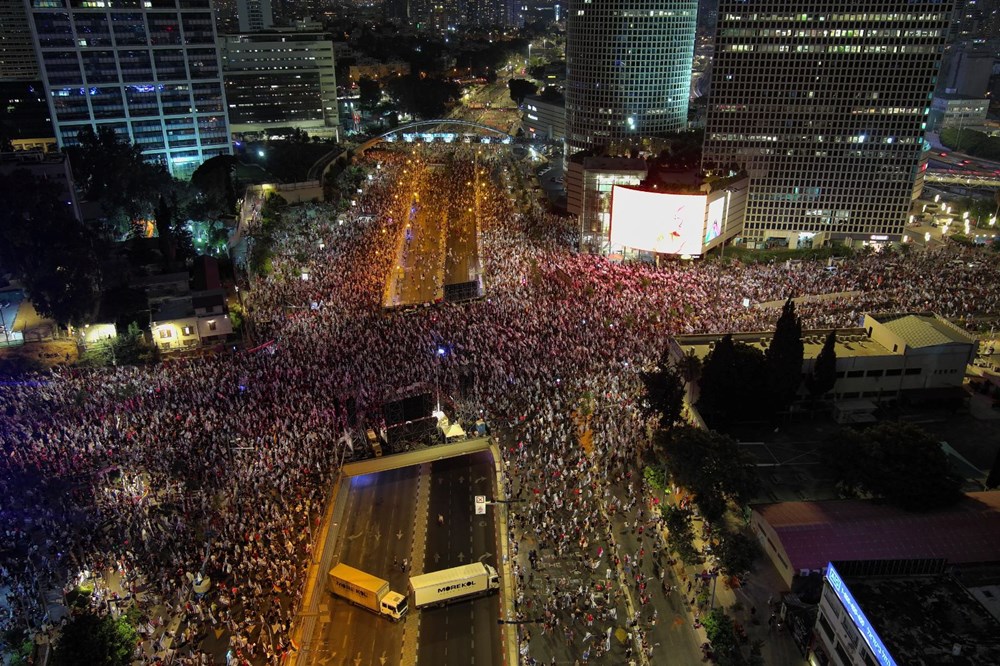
(254, 15)
(396, 10)
(280, 79)
(24, 114)
(17, 53)
(825, 106)
(628, 68)
(149, 70)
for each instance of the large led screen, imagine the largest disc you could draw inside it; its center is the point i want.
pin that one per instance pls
(657, 221)
(714, 225)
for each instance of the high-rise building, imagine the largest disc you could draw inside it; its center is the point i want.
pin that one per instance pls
(24, 116)
(254, 15)
(628, 68)
(825, 107)
(150, 71)
(280, 79)
(396, 10)
(17, 54)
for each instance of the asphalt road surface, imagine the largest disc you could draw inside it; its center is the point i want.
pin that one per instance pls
(378, 527)
(439, 243)
(377, 533)
(465, 632)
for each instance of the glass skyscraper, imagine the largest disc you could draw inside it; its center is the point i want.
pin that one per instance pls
(628, 68)
(825, 106)
(149, 69)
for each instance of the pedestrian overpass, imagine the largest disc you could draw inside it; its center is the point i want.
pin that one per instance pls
(444, 130)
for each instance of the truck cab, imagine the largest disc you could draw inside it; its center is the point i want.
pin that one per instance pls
(394, 605)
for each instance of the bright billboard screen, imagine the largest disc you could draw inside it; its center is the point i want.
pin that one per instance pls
(657, 221)
(714, 225)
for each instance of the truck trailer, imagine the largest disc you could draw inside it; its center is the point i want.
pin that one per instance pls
(464, 582)
(365, 590)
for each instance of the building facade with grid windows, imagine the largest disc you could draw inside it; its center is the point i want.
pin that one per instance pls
(280, 79)
(825, 104)
(628, 68)
(149, 69)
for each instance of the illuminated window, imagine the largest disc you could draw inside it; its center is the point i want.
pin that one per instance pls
(166, 333)
(187, 330)
(211, 325)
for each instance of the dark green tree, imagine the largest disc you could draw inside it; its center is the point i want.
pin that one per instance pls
(213, 181)
(722, 634)
(664, 395)
(784, 358)
(425, 97)
(163, 216)
(47, 249)
(737, 552)
(897, 462)
(111, 170)
(733, 384)
(521, 88)
(717, 376)
(710, 465)
(370, 91)
(680, 535)
(824, 373)
(90, 639)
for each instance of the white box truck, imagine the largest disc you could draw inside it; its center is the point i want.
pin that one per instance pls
(367, 591)
(442, 587)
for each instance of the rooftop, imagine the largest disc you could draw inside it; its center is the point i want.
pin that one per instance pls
(925, 620)
(956, 96)
(923, 330)
(172, 309)
(607, 163)
(814, 533)
(850, 342)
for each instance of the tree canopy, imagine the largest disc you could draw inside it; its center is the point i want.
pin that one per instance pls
(824, 373)
(680, 535)
(664, 393)
(521, 88)
(47, 249)
(709, 464)
(733, 382)
(370, 92)
(425, 97)
(737, 552)
(111, 170)
(897, 462)
(784, 358)
(214, 182)
(90, 639)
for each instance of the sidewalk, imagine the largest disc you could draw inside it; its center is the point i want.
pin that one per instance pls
(761, 592)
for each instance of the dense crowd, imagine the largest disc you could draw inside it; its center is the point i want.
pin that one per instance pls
(220, 466)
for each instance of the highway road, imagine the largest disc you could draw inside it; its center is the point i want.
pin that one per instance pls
(465, 632)
(439, 246)
(377, 528)
(381, 514)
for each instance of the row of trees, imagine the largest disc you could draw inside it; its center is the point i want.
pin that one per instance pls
(740, 382)
(709, 464)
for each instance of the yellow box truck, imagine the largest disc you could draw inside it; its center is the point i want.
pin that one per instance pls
(365, 590)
